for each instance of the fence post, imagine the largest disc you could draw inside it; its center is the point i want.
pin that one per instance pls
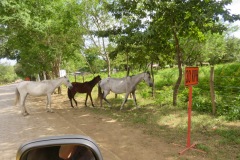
(212, 90)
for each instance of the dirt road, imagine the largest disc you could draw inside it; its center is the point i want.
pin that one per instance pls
(116, 140)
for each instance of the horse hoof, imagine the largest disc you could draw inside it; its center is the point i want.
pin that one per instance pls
(25, 114)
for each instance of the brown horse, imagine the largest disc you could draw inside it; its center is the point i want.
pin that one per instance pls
(85, 87)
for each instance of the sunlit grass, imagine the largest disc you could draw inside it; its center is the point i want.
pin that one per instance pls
(157, 117)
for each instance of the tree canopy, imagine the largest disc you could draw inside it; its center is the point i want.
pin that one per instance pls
(40, 34)
(162, 26)
(45, 35)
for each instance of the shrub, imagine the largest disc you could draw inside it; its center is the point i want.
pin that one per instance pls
(7, 73)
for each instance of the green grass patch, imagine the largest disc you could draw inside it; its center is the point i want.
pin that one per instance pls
(216, 135)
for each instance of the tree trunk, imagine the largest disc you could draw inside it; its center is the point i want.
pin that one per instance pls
(44, 75)
(56, 70)
(109, 67)
(212, 91)
(152, 79)
(179, 62)
(38, 78)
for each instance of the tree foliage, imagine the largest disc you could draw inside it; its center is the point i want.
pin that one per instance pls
(96, 22)
(40, 34)
(7, 73)
(45, 35)
(160, 26)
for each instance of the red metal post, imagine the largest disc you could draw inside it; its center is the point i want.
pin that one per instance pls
(189, 146)
(191, 78)
(189, 116)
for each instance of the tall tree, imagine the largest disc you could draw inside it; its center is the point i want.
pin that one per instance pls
(168, 21)
(41, 34)
(97, 21)
(188, 19)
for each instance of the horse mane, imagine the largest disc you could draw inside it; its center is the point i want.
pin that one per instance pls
(95, 78)
(143, 72)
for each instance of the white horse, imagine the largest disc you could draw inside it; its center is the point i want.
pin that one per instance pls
(45, 87)
(122, 85)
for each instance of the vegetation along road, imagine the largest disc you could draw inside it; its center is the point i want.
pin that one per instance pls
(117, 140)
(116, 39)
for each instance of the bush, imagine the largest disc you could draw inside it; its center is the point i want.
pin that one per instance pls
(226, 85)
(7, 73)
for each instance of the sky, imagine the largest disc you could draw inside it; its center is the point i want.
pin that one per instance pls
(234, 9)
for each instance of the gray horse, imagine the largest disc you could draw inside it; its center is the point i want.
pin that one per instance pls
(122, 85)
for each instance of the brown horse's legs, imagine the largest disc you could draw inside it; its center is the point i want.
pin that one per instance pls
(71, 102)
(71, 94)
(91, 99)
(86, 100)
(101, 101)
(75, 101)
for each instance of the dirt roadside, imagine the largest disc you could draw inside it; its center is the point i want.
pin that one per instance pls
(117, 141)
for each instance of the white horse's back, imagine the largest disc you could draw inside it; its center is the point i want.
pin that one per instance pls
(116, 85)
(34, 88)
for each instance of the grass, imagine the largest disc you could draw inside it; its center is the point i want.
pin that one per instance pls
(214, 135)
(157, 117)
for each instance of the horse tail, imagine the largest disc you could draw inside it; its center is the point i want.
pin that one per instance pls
(69, 94)
(17, 94)
(100, 94)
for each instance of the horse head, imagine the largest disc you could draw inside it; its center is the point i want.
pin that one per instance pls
(97, 78)
(67, 82)
(147, 78)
